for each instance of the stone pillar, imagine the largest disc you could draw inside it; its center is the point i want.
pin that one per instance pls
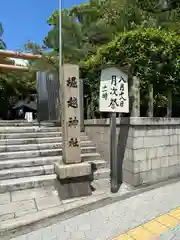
(71, 114)
(135, 94)
(151, 101)
(73, 175)
(169, 105)
(81, 92)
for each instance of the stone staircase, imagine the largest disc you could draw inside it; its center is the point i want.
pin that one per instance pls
(28, 153)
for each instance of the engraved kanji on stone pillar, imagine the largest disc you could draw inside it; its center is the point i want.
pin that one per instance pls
(71, 114)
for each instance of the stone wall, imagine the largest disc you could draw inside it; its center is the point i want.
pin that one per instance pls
(148, 147)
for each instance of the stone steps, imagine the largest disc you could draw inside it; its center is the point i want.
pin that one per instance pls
(97, 164)
(22, 141)
(28, 162)
(26, 182)
(41, 161)
(38, 146)
(34, 135)
(103, 173)
(29, 129)
(23, 123)
(29, 135)
(39, 152)
(30, 177)
(28, 154)
(26, 172)
(38, 140)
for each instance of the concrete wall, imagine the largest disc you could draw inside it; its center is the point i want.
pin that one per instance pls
(148, 147)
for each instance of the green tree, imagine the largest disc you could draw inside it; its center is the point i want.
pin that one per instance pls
(159, 6)
(89, 25)
(13, 85)
(151, 54)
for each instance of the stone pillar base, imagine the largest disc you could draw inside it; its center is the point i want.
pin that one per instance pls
(74, 180)
(74, 187)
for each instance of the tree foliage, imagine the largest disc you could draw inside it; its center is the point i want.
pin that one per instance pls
(13, 85)
(87, 26)
(151, 54)
(144, 35)
(90, 28)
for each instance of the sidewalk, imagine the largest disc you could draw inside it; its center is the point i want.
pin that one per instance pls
(43, 206)
(164, 227)
(109, 222)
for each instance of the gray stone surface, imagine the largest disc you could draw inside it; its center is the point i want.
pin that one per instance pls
(18, 208)
(103, 173)
(72, 170)
(7, 216)
(172, 234)
(28, 153)
(26, 182)
(28, 129)
(71, 154)
(30, 165)
(33, 205)
(39, 199)
(110, 221)
(148, 147)
(4, 198)
(35, 193)
(47, 202)
(75, 187)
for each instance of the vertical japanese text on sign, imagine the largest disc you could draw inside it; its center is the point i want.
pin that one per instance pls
(114, 91)
(73, 103)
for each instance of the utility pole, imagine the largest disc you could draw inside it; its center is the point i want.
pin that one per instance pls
(60, 33)
(60, 59)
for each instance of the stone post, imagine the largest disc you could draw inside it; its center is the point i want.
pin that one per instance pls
(71, 114)
(81, 92)
(151, 101)
(73, 175)
(135, 94)
(169, 105)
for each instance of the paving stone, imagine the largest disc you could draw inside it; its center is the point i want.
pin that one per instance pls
(6, 217)
(4, 198)
(19, 208)
(27, 182)
(112, 220)
(25, 211)
(67, 201)
(167, 236)
(32, 193)
(47, 202)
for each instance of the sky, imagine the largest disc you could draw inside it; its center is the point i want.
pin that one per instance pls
(25, 20)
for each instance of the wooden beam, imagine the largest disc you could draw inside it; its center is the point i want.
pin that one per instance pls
(7, 61)
(13, 67)
(19, 55)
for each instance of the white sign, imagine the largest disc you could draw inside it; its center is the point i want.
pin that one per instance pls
(113, 91)
(29, 116)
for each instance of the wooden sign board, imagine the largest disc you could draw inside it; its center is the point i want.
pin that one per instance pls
(113, 91)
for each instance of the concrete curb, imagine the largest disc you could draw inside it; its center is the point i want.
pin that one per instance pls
(32, 222)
